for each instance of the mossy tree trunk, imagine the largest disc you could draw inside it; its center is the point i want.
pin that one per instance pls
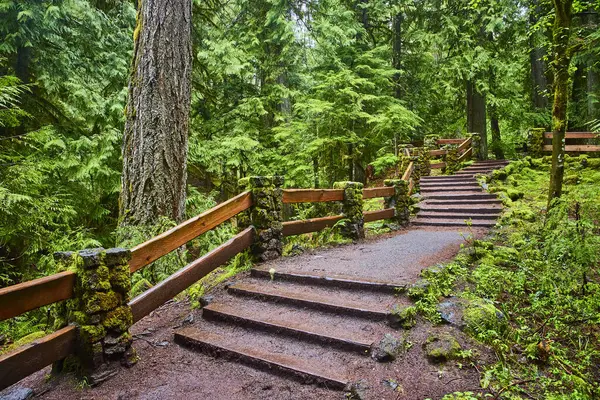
(476, 116)
(562, 60)
(155, 142)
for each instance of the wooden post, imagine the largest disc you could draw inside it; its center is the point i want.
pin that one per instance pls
(100, 312)
(266, 214)
(353, 226)
(400, 201)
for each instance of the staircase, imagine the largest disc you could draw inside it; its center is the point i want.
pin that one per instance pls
(452, 200)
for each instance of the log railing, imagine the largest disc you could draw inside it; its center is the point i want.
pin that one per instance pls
(18, 299)
(574, 148)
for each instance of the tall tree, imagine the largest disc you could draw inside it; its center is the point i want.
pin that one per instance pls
(155, 142)
(562, 59)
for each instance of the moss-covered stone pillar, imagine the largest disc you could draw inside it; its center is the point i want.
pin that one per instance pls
(266, 215)
(475, 145)
(451, 159)
(424, 162)
(400, 201)
(416, 175)
(535, 145)
(99, 310)
(352, 210)
(430, 142)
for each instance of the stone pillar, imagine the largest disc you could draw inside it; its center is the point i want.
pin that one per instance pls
(266, 215)
(400, 200)
(99, 309)
(430, 142)
(535, 145)
(352, 209)
(416, 175)
(475, 145)
(451, 159)
(424, 162)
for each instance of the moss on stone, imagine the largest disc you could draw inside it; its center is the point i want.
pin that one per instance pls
(536, 142)
(403, 317)
(96, 279)
(119, 319)
(100, 301)
(91, 333)
(120, 279)
(481, 316)
(442, 347)
(352, 225)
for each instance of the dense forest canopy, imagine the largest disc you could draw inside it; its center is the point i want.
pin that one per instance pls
(315, 90)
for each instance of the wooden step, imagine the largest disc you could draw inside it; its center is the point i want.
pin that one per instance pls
(462, 196)
(452, 222)
(487, 209)
(275, 362)
(450, 189)
(308, 299)
(454, 215)
(333, 280)
(463, 184)
(462, 202)
(304, 330)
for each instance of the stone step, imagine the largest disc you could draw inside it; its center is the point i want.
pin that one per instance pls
(452, 222)
(289, 322)
(258, 355)
(454, 215)
(306, 297)
(461, 196)
(331, 280)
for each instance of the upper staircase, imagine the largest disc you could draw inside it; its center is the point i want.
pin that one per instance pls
(459, 200)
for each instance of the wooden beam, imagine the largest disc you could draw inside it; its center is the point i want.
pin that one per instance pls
(411, 186)
(575, 135)
(435, 153)
(164, 243)
(291, 228)
(438, 165)
(371, 216)
(153, 298)
(312, 195)
(582, 148)
(27, 296)
(466, 155)
(449, 141)
(371, 193)
(409, 171)
(36, 355)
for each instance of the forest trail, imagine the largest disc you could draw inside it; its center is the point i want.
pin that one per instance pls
(315, 325)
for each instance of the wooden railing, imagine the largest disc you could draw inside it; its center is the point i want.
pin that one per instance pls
(464, 150)
(18, 299)
(574, 148)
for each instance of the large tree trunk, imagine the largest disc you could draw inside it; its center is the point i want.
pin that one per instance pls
(476, 117)
(496, 137)
(155, 142)
(562, 60)
(397, 52)
(593, 78)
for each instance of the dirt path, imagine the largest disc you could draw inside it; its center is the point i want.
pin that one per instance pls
(315, 322)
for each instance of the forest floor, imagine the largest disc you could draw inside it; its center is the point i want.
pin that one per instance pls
(169, 371)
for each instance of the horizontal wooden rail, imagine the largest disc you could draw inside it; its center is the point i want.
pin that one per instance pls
(27, 296)
(371, 193)
(291, 228)
(312, 195)
(164, 243)
(465, 145)
(371, 216)
(409, 170)
(36, 355)
(583, 148)
(449, 141)
(575, 135)
(466, 155)
(435, 153)
(438, 165)
(153, 298)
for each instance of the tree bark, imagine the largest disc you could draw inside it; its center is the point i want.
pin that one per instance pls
(155, 141)
(496, 137)
(397, 52)
(562, 60)
(539, 83)
(592, 75)
(476, 117)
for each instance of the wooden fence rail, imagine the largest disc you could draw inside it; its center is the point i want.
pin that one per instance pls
(312, 195)
(164, 243)
(575, 135)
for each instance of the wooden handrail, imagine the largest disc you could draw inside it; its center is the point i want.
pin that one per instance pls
(409, 171)
(370, 216)
(465, 145)
(36, 355)
(575, 135)
(434, 153)
(312, 195)
(582, 148)
(449, 141)
(437, 165)
(164, 243)
(153, 298)
(291, 228)
(465, 155)
(27, 296)
(371, 193)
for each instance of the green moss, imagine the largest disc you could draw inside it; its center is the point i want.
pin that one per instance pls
(404, 317)
(23, 341)
(442, 347)
(119, 319)
(100, 301)
(536, 141)
(96, 279)
(92, 333)
(514, 194)
(481, 316)
(120, 279)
